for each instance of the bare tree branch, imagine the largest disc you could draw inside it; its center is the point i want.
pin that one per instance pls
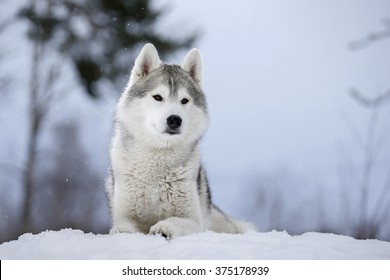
(381, 141)
(368, 223)
(370, 102)
(356, 135)
(368, 166)
(381, 210)
(371, 38)
(344, 177)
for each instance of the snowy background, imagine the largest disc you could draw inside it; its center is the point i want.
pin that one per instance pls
(288, 148)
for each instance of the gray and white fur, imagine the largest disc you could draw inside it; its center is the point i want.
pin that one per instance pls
(157, 184)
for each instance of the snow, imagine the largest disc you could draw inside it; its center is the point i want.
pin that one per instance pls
(75, 244)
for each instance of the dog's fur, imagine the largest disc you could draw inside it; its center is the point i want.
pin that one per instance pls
(157, 183)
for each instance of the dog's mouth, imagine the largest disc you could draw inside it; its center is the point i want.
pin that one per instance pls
(172, 131)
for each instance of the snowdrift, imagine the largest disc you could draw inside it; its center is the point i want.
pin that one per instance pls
(74, 244)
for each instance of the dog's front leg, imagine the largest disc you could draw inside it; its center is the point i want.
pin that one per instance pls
(122, 206)
(122, 224)
(187, 218)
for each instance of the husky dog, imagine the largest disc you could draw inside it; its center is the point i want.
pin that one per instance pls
(157, 184)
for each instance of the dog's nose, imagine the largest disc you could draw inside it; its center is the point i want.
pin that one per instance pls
(174, 121)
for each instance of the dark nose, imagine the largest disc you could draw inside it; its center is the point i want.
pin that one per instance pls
(174, 122)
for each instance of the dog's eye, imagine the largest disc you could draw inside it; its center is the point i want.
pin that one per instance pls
(184, 101)
(157, 97)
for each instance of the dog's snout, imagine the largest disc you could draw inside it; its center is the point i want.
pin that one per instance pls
(174, 121)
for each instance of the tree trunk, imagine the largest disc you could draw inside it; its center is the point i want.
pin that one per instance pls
(35, 118)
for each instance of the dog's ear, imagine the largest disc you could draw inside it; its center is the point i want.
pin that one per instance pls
(146, 62)
(192, 64)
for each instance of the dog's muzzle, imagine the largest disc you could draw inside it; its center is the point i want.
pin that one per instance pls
(173, 123)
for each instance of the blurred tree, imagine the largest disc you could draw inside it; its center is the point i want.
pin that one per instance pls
(4, 79)
(99, 38)
(69, 187)
(370, 219)
(8, 227)
(270, 205)
(373, 213)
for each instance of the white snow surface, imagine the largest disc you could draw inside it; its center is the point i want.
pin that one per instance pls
(75, 244)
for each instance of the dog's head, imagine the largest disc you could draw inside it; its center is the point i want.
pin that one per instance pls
(164, 104)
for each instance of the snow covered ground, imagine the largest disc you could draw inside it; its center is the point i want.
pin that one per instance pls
(74, 244)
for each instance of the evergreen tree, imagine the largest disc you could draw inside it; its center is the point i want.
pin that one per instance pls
(99, 36)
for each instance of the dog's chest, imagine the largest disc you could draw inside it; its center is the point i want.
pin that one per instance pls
(159, 190)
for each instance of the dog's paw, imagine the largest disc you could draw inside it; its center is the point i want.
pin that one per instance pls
(163, 228)
(123, 228)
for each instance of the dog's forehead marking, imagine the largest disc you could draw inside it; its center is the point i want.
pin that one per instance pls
(172, 87)
(174, 78)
